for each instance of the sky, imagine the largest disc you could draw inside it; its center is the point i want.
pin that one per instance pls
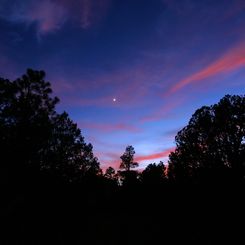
(128, 72)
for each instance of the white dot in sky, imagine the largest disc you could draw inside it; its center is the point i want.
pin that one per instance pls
(114, 99)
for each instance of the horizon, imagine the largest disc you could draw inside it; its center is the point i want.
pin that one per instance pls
(128, 73)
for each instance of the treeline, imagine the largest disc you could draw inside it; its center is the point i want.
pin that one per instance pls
(51, 179)
(35, 137)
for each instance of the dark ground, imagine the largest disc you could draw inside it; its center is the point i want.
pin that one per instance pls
(51, 213)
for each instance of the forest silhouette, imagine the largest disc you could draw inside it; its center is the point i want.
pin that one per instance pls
(53, 190)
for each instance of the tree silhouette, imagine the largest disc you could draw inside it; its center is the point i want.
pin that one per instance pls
(212, 142)
(66, 153)
(111, 178)
(128, 159)
(128, 177)
(34, 136)
(154, 174)
(35, 139)
(26, 112)
(110, 173)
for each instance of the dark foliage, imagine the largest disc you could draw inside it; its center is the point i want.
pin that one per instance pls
(128, 159)
(126, 175)
(53, 190)
(110, 173)
(212, 145)
(154, 174)
(35, 137)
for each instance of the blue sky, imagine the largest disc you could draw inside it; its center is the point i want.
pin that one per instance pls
(160, 59)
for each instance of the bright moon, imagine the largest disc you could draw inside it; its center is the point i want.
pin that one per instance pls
(114, 99)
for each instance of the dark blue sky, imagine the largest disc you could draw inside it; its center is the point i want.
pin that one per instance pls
(160, 59)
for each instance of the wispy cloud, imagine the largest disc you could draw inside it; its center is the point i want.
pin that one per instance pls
(230, 61)
(50, 15)
(47, 15)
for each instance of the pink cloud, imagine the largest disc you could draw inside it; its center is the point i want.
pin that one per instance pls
(154, 156)
(230, 61)
(113, 159)
(109, 159)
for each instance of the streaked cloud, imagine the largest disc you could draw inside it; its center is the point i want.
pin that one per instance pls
(113, 159)
(233, 59)
(154, 156)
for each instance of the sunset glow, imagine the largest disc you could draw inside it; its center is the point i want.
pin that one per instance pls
(128, 72)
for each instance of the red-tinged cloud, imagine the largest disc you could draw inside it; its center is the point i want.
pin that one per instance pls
(232, 60)
(114, 158)
(109, 159)
(154, 156)
(109, 127)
